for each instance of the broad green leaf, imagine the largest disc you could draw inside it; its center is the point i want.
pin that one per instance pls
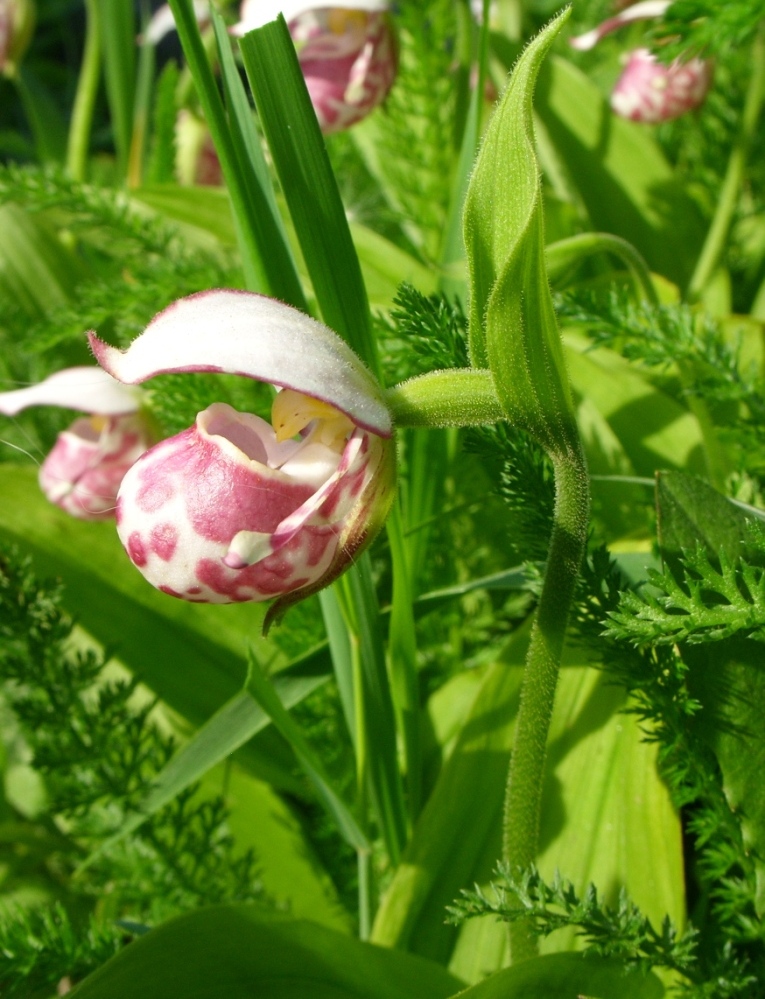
(310, 189)
(567, 976)
(690, 511)
(653, 429)
(462, 816)
(192, 657)
(619, 171)
(258, 818)
(202, 213)
(385, 266)
(240, 952)
(606, 817)
(513, 329)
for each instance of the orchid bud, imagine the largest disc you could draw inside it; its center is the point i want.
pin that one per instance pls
(196, 160)
(236, 508)
(83, 471)
(651, 92)
(347, 52)
(17, 20)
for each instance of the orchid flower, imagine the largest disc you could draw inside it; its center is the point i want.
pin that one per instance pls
(83, 471)
(235, 508)
(162, 22)
(647, 90)
(17, 18)
(346, 49)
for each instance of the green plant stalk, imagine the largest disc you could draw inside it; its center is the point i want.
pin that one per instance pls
(559, 255)
(402, 650)
(527, 764)
(85, 98)
(141, 113)
(714, 244)
(363, 857)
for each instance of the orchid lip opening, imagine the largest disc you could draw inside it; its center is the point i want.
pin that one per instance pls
(236, 508)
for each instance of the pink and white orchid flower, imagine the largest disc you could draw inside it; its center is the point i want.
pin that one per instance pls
(84, 469)
(650, 92)
(235, 508)
(346, 49)
(647, 90)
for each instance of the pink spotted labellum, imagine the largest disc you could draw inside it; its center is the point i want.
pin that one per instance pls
(647, 90)
(236, 508)
(84, 469)
(346, 48)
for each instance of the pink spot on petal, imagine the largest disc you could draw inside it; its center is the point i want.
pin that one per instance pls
(170, 591)
(136, 549)
(164, 538)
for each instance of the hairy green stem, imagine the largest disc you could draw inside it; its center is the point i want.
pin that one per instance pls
(458, 397)
(714, 244)
(540, 678)
(85, 98)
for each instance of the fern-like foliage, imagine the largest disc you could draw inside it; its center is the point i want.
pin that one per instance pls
(525, 482)
(44, 953)
(98, 751)
(704, 27)
(419, 119)
(657, 679)
(133, 262)
(420, 334)
(668, 338)
(711, 604)
(622, 932)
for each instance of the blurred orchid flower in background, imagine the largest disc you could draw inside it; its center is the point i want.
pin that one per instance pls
(647, 90)
(17, 21)
(235, 508)
(196, 160)
(347, 52)
(84, 469)
(162, 22)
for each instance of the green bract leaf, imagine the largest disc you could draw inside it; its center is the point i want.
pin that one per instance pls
(513, 329)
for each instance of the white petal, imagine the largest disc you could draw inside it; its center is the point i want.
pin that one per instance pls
(241, 333)
(256, 13)
(162, 22)
(88, 390)
(637, 12)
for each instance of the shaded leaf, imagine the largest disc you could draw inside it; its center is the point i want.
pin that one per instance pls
(238, 952)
